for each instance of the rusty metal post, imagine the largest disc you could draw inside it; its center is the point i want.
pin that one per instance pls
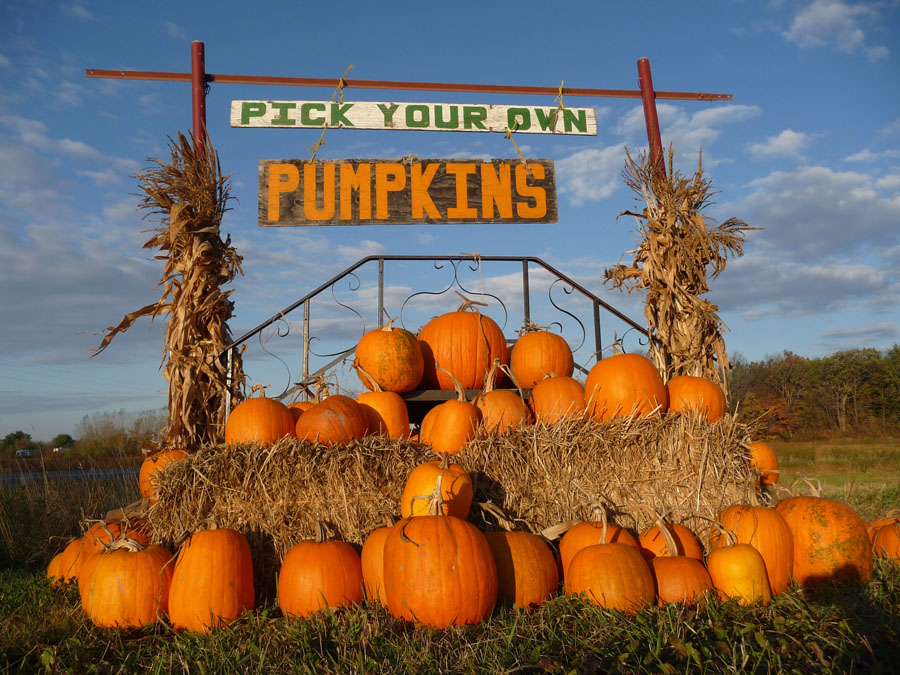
(198, 94)
(648, 96)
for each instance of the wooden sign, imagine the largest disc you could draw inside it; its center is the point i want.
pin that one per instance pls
(413, 116)
(405, 191)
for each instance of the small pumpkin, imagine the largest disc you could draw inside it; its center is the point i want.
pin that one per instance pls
(448, 426)
(258, 420)
(385, 411)
(589, 532)
(653, 542)
(886, 542)
(557, 397)
(830, 541)
(151, 466)
(873, 525)
(697, 394)
(456, 489)
(501, 409)
(537, 353)
(212, 580)
(766, 531)
(678, 577)
(738, 571)
(129, 585)
(319, 574)
(336, 419)
(391, 358)
(63, 568)
(764, 460)
(624, 385)
(104, 533)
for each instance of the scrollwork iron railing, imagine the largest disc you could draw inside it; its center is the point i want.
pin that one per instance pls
(356, 300)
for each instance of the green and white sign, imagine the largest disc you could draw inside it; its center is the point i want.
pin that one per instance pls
(413, 116)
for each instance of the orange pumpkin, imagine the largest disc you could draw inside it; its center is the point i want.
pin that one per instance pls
(448, 426)
(63, 569)
(455, 485)
(595, 531)
(698, 394)
(391, 358)
(537, 354)
(500, 409)
(386, 413)
(766, 531)
(258, 420)
(873, 525)
(464, 343)
(151, 466)
(439, 571)
(372, 563)
(557, 397)
(886, 542)
(738, 571)
(678, 577)
(830, 541)
(764, 460)
(337, 419)
(297, 408)
(319, 574)
(653, 542)
(624, 385)
(527, 573)
(212, 581)
(104, 533)
(129, 585)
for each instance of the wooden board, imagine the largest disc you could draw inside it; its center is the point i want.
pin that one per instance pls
(405, 191)
(413, 116)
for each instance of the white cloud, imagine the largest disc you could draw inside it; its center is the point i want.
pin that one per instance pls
(590, 175)
(866, 332)
(867, 155)
(788, 143)
(360, 250)
(174, 30)
(891, 129)
(889, 183)
(823, 23)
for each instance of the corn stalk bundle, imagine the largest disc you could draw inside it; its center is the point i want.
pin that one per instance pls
(679, 248)
(191, 195)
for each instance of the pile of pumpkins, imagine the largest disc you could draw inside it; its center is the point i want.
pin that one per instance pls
(433, 566)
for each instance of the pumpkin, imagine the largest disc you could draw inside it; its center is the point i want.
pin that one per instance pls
(886, 542)
(653, 542)
(129, 585)
(258, 420)
(462, 343)
(391, 358)
(611, 575)
(439, 570)
(297, 408)
(595, 531)
(386, 413)
(500, 409)
(873, 525)
(456, 489)
(678, 577)
(537, 354)
(63, 568)
(766, 531)
(337, 419)
(372, 563)
(697, 394)
(764, 460)
(557, 397)
(624, 385)
(527, 573)
(212, 580)
(738, 571)
(104, 533)
(830, 541)
(151, 466)
(319, 574)
(448, 426)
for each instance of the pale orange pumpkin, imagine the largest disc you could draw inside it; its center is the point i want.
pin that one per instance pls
(448, 426)
(698, 394)
(624, 385)
(766, 531)
(738, 571)
(501, 409)
(557, 397)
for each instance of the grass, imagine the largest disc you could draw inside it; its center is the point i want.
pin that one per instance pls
(841, 629)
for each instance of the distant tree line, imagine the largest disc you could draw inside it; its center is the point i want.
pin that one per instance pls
(116, 433)
(855, 392)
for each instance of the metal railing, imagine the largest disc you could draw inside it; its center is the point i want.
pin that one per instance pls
(471, 263)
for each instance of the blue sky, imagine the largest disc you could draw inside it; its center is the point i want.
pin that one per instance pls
(808, 150)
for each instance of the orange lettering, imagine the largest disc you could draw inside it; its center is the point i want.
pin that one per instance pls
(310, 192)
(536, 192)
(356, 179)
(282, 178)
(496, 189)
(389, 177)
(419, 181)
(462, 208)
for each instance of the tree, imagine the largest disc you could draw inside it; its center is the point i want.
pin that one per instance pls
(62, 441)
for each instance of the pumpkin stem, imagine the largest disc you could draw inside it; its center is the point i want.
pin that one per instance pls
(461, 393)
(261, 388)
(132, 545)
(491, 377)
(390, 324)
(730, 538)
(668, 537)
(362, 371)
(445, 461)
(321, 534)
(468, 304)
(436, 499)
(490, 508)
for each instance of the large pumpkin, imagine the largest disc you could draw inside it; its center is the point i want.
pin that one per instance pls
(623, 385)
(439, 571)
(464, 343)
(557, 397)
(258, 420)
(319, 574)
(103, 534)
(455, 486)
(212, 581)
(698, 394)
(830, 541)
(391, 357)
(151, 466)
(129, 585)
(337, 419)
(766, 531)
(612, 576)
(538, 354)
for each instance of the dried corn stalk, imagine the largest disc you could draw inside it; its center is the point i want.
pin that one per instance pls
(190, 194)
(679, 246)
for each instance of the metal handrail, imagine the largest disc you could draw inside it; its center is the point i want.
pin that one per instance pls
(597, 303)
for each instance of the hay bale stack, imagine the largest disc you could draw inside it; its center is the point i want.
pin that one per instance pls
(678, 466)
(542, 475)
